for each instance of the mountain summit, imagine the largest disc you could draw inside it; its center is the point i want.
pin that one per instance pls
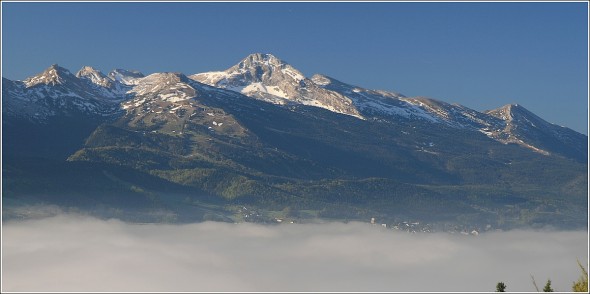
(267, 78)
(255, 68)
(53, 75)
(94, 76)
(262, 135)
(265, 62)
(525, 128)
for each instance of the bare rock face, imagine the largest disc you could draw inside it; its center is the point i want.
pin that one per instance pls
(263, 131)
(265, 77)
(94, 76)
(56, 91)
(125, 77)
(522, 127)
(53, 75)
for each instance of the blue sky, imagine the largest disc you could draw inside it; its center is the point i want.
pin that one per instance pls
(481, 55)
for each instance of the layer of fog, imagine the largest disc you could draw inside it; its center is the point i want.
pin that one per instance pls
(76, 253)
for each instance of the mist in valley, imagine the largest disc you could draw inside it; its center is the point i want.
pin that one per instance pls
(70, 252)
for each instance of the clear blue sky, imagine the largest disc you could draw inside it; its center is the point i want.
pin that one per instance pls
(481, 55)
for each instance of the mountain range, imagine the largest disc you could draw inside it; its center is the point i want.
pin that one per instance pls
(260, 134)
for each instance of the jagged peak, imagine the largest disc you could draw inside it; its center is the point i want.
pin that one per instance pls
(261, 58)
(53, 75)
(57, 69)
(254, 68)
(265, 61)
(87, 70)
(94, 76)
(505, 112)
(511, 112)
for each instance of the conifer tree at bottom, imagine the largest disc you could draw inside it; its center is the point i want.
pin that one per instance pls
(547, 287)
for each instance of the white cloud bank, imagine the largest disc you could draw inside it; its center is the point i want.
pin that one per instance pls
(74, 253)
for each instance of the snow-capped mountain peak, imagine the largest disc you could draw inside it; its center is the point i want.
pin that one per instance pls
(107, 86)
(255, 68)
(511, 112)
(525, 128)
(259, 62)
(268, 78)
(56, 91)
(503, 113)
(517, 117)
(165, 86)
(53, 75)
(260, 59)
(94, 76)
(125, 77)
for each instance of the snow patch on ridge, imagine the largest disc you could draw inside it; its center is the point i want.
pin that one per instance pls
(294, 74)
(260, 88)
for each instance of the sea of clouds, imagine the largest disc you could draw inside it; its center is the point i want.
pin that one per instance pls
(80, 253)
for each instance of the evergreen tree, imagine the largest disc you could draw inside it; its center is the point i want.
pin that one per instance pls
(500, 287)
(547, 287)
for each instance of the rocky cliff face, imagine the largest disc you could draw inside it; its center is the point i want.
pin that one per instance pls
(265, 77)
(262, 133)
